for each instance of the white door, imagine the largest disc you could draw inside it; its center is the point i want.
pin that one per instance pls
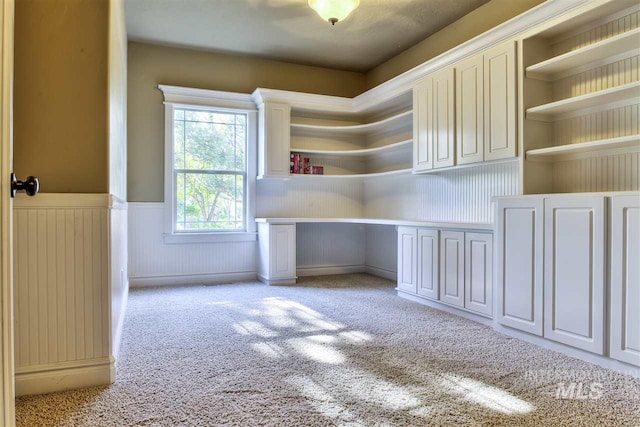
(422, 117)
(452, 267)
(428, 263)
(500, 102)
(520, 263)
(274, 139)
(469, 111)
(7, 417)
(574, 275)
(407, 259)
(443, 126)
(283, 251)
(625, 279)
(478, 272)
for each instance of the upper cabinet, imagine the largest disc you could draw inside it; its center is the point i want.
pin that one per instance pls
(581, 103)
(467, 113)
(273, 139)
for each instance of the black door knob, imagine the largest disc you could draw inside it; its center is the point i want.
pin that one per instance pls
(31, 185)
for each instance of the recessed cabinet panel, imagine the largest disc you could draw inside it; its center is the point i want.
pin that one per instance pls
(500, 102)
(469, 111)
(283, 252)
(428, 263)
(625, 279)
(407, 259)
(443, 127)
(478, 272)
(574, 272)
(452, 267)
(422, 134)
(519, 266)
(274, 139)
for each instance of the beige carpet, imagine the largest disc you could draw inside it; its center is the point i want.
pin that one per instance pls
(338, 350)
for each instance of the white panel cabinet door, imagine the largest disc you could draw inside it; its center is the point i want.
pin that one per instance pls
(428, 263)
(625, 279)
(519, 263)
(443, 126)
(274, 139)
(478, 291)
(500, 102)
(283, 251)
(469, 111)
(574, 277)
(422, 118)
(407, 259)
(452, 267)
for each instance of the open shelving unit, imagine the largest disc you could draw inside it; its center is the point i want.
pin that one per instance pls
(581, 97)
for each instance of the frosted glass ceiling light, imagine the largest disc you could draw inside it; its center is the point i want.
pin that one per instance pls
(333, 10)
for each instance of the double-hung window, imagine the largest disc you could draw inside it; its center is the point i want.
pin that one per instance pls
(208, 172)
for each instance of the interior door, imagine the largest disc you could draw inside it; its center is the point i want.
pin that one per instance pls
(7, 409)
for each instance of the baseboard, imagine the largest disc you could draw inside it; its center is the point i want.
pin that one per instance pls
(55, 377)
(448, 309)
(277, 282)
(381, 272)
(327, 270)
(207, 279)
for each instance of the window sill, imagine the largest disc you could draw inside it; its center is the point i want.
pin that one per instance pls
(186, 238)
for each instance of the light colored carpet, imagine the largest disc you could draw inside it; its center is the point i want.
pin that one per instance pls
(335, 350)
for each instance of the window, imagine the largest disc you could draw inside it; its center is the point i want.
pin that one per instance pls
(209, 170)
(210, 149)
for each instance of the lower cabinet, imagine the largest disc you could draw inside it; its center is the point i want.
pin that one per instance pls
(453, 267)
(277, 262)
(552, 253)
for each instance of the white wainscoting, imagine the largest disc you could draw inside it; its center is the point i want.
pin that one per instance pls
(118, 274)
(458, 195)
(63, 336)
(152, 262)
(330, 249)
(381, 251)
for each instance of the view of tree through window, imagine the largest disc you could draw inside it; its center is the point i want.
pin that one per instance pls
(209, 168)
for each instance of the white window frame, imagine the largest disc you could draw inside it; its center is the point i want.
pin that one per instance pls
(180, 97)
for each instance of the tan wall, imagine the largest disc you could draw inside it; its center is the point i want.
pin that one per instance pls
(61, 94)
(150, 65)
(475, 23)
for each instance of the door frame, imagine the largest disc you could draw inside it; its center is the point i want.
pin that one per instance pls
(7, 391)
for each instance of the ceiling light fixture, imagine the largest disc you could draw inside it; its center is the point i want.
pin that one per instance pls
(333, 10)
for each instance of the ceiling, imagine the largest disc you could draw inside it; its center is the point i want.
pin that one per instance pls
(289, 30)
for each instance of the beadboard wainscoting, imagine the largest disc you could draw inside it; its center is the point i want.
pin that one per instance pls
(152, 262)
(330, 249)
(381, 251)
(457, 195)
(66, 324)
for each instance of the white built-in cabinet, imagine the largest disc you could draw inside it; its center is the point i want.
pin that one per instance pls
(551, 270)
(273, 139)
(277, 260)
(407, 259)
(466, 113)
(450, 266)
(625, 279)
(574, 279)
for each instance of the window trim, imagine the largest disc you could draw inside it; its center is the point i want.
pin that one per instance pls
(177, 97)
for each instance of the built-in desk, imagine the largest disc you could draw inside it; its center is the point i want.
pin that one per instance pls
(277, 241)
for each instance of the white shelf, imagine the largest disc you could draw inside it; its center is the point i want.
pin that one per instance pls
(583, 149)
(385, 124)
(379, 221)
(605, 51)
(595, 101)
(356, 153)
(353, 176)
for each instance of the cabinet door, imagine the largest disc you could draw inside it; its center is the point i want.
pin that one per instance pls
(500, 102)
(452, 267)
(422, 118)
(428, 263)
(407, 259)
(469, 111)
(519, 263)
(625, 279)
(282, 242)
(443, 126)
(478, 276)
(574, 278)
(274, 139)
